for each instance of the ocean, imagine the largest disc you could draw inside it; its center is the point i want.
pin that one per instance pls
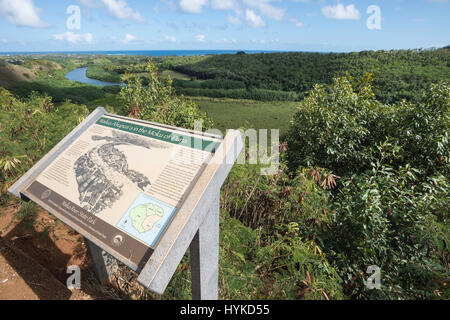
(150, 53)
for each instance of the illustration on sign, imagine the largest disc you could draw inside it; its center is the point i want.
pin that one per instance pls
(101, 172)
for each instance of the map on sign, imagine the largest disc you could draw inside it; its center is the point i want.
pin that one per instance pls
(146, 218)
(122, 180)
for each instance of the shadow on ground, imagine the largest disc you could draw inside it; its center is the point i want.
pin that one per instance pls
(33, 266)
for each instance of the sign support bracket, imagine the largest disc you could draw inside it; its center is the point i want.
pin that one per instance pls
(196, 226)
(103, 263)
(204, 252)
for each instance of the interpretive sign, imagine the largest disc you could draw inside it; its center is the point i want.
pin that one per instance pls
(121, 182)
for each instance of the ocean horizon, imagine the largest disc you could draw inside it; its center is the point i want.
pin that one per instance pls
(150, 53)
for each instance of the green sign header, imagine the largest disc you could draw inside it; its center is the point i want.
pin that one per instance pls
(162, 135)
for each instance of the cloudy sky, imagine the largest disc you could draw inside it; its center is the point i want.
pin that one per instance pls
(304, 25)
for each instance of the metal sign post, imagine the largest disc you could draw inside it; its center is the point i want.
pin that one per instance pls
(145, 216)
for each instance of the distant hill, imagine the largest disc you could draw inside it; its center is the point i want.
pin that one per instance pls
(398, 74)
(11, 74)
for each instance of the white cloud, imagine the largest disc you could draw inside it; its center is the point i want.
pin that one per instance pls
(119, 9)
(297, 22)
(225, 40)
(171, 39)
(21, 13)
(193, 6)
(258, 9)
(200, 38)
(224, 5)
(88, 3)
(341, 12)
(129, 38)
(266, 8)
(235, 21)
(74, 37)
(253, 19)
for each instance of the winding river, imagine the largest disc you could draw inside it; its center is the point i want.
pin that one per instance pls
(80, 76)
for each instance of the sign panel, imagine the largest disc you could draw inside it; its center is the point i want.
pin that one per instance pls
(123, 180)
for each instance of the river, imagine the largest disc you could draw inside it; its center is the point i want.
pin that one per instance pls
(80, 76)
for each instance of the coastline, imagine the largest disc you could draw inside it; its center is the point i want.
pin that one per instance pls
(150, 53)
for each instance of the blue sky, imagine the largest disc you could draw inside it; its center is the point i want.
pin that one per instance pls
(303, 25)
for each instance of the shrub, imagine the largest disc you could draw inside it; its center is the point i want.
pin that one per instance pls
(209, 84)
(157, 101)
(29, 129)
(339, 127)
(112, 89)
(385, 217)
(285, 218)
(251, 94)
(276, 265)
(101, 73)
(267, 201)
(391, 207)
(60, 90)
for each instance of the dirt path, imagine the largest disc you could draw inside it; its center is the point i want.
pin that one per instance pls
(22, 278)
(35, 251)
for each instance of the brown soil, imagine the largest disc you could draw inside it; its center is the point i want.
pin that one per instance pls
(35, 252)
(22, 278)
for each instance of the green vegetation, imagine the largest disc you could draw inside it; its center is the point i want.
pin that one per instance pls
(391, 205)
(11, 74)
(174, 75)
(99, 73)
(50, 79)
(397, 74)
(251, 114)
(60, 90)
(251, 94)
(363, 179)
(157, 101)
(209, 84)
(343, 126)
(29, 129)
(110, 102)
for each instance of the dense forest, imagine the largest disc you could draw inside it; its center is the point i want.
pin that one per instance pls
(397, 74)
(363, 179)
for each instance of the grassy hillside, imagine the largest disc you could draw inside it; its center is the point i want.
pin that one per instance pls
(47, 76)
(175, 75)
(12, 74)
(233, 114)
